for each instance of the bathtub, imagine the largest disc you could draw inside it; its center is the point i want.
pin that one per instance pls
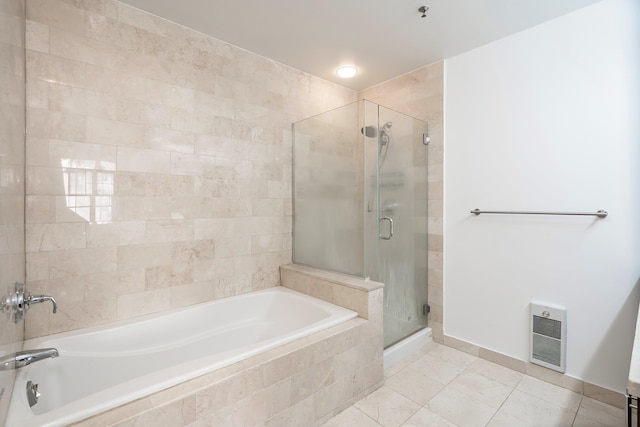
(103, 367)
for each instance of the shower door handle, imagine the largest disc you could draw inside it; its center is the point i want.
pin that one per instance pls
(390, 228)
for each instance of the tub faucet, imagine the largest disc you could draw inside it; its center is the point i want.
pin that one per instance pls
(18, 301)
(36, 299)
(25, 358)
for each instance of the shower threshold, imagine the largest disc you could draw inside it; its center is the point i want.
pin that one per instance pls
(399, 351)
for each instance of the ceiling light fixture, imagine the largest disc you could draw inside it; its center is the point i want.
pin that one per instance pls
(347, 71)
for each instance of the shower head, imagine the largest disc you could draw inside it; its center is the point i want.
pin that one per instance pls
(384, 134)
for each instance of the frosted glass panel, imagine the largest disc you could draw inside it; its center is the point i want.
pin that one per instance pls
(360, 170)
(402, 201)
(328, 191)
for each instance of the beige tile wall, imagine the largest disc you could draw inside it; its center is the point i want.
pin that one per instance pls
(12, 122)
(420, 94)
(158, 163)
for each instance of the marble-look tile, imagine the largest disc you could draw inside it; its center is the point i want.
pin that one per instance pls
(605, 395)
(474, 350)
(399, 366)
(460, 409)
(480, 389)
(601, 412)
(535, 411)
(137, 160)
(37, 36)
(436, 368)
(453, 356)
(558, 396)
(581, 421)
(503, 359)
(496, 372)
(141, 303)
(335, 396)
(502, 419)
(414, 385)
(425, 417)
(553, 377)
(351, 417)
(182, 412)
(387, 407)
(310, 380)
(121, 413)
(52, 237)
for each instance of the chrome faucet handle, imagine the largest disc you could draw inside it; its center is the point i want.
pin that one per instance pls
(37, 299)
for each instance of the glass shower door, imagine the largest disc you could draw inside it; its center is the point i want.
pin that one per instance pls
(402, 222)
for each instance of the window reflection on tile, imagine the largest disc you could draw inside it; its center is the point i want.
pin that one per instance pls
(89, 188)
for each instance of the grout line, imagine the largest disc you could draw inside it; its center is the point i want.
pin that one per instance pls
(366, 415)
(501, 405)
(575, 416)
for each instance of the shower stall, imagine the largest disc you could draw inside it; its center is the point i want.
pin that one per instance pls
(360, 204)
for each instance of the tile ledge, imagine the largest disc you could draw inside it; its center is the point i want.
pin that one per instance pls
(338, 278)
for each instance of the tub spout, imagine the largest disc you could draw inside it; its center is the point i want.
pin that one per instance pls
(36, 299)
(25, 358)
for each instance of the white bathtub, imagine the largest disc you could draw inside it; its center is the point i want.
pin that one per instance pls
(103, 367)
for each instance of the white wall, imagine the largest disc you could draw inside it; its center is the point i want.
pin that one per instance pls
(547, 119)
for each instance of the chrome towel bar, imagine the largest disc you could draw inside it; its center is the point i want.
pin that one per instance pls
(600, 214)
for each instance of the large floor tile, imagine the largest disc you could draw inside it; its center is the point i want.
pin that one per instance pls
(459, 409)
(425, 417)
(558, 396)
(506, 376)
(481, 389)
(436, 368)
(535, 411)
(453, 356)
(414, 385)
(601, 412)
(581, 421)
(351, 417)
(387, 407)
(502, 419)
(401, 365)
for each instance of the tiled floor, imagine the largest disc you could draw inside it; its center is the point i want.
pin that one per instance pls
(443, 387)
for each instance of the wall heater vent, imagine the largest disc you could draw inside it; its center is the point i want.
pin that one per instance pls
(548, 336)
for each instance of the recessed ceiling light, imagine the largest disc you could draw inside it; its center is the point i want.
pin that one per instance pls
(347, 71)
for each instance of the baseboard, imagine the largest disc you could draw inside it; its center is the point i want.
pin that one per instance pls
(585, 388)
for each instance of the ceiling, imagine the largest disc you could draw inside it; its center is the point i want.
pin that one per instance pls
(382, 38)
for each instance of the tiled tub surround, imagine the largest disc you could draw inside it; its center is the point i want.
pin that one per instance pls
(103, 367)
(158, 163)
(302, 383)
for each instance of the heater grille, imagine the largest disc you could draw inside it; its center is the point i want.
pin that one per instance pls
(548, 336)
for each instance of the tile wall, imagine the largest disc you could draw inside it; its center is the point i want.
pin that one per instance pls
(12, 121)
(420, 94)
(158, 163)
